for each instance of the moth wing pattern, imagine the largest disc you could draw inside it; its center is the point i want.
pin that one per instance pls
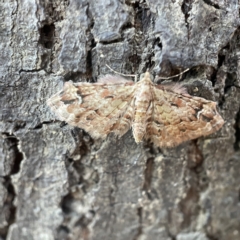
(178, 117)
(98, 108)
(164, 114)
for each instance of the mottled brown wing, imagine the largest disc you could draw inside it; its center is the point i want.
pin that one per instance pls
(98, 108)
(177, 118)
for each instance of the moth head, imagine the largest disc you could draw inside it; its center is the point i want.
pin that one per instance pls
(147, 76)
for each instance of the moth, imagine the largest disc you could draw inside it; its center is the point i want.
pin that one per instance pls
(164, 115)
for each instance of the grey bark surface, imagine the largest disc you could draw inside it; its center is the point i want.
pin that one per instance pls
(56, 182)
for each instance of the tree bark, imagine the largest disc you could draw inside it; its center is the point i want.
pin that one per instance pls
(56, 182)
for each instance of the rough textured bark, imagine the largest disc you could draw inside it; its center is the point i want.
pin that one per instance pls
(58, 183)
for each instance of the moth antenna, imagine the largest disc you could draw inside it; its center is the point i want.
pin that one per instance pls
(166, 78)
(125, 75)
